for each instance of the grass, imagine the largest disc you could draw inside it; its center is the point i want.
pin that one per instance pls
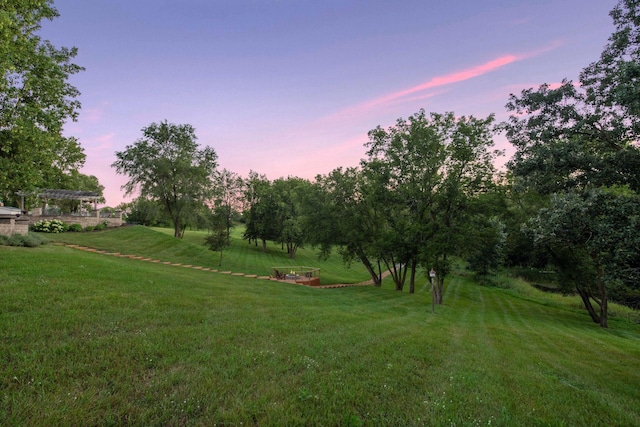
(90, 339)
(241, 257)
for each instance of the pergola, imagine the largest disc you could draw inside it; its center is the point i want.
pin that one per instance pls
(83, 196)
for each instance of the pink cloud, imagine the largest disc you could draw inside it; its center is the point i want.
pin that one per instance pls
(404, 95)
(447, 79)
(436, 82)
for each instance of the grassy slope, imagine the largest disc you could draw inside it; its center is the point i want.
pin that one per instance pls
(90, 339)
(159, 243)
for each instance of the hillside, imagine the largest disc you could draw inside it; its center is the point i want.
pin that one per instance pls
(90, 339)
(241, 257)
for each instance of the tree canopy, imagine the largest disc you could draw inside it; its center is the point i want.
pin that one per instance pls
(36, 100)
(167, 166)
(579, 144)
(425, 170)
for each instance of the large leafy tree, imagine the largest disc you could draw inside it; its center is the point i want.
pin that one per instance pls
(262, 213)
(227, 200)
(167, 166)
(277, 211)
(291, 194)
(424, 171)
(141, 211)
(36, 100)
(343, 215)
(580, 140)
(593, 239)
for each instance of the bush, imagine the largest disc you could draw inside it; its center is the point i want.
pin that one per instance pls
(25, 240)
(50, 226)
(89, 228)
(101, 226)
(75, 227)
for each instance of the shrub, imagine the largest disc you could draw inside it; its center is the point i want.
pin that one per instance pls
(101, 226)
(75, 227)
(25, 240)
(50, 226)
(89, 228)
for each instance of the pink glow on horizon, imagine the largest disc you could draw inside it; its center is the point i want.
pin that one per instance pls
(101, 143)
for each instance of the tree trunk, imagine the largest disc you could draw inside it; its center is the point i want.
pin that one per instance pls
(398, 273)
(177, 229)
(264, 245)
(439, 289)
(603, 301)
(412, 278)
(229, 224)
(584, 295)
(375, 278)
(292, 248)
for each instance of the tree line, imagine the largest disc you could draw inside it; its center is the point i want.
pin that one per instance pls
(427, 192)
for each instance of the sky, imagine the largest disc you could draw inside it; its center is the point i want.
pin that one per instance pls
(291, 87)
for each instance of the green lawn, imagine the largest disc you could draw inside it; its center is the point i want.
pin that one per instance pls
(91, 339)
(241, 257)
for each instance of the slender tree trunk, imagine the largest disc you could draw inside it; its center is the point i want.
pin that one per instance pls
(398, 273)
(375, 277)
(438, 289)
(292, 248)
(584, 295)
(603, 302)
(228, 224)
(412, 278)
(264, 245)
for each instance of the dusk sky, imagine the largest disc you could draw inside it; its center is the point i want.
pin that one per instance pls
(291, 87)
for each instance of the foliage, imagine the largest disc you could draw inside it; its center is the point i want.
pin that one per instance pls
(593, 239)
(78, 181)
(142, 211)
(100, 226)
(261, 212)
(25, 240)
(292, 195)
(35, 102)
(219, 231)
(228, 198)
(50, 226)
(344, 216)
(422, 173)
(579, 142)
(75, 227)
(486, 244)
(167, 167)
(613, 82)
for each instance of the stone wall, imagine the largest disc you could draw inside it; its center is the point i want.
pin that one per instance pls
(12, 225)
(84, 221)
